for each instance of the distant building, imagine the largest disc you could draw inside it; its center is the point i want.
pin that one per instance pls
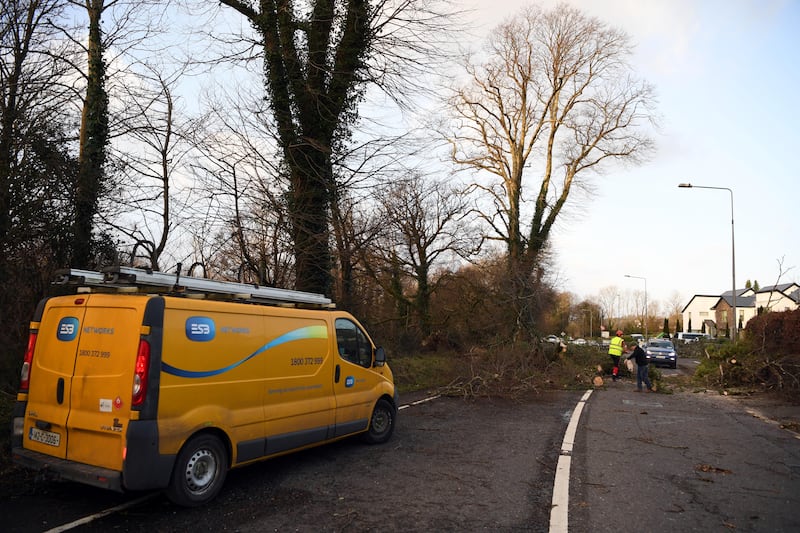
(712, 314)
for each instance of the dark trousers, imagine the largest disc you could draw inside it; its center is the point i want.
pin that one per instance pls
(642, 377)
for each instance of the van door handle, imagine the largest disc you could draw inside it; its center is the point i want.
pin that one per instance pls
(337, 374)
(60, 391)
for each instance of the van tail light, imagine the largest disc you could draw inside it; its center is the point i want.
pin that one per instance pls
(25, 375)
(140, 373)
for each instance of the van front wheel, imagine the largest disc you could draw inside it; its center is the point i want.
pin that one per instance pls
(199, 472)
(381, 424)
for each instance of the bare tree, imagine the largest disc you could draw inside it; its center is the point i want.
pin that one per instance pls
(319, 57)
(156, 150)
(243, 186)
(674, 305)
(781, 272)
(554, 99)
(93, 140)
(131, 23)
(354, 229)
(36, 165)
(32, 65)
(355, 222)
(424, 226)
(609, 303)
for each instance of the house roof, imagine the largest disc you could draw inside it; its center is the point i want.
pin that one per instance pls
(747, 297)
(741, 301)
(779, 288)
(739, 293)
(698, 296)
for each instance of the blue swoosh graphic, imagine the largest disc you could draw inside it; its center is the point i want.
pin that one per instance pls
(308, 332)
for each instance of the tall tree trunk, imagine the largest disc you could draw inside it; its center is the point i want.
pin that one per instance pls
(308, 209)
(93, 140)
(312, 87)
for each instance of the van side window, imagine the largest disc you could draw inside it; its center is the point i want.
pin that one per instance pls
(354, 346)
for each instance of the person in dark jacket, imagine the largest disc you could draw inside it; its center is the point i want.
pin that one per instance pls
(640, 357)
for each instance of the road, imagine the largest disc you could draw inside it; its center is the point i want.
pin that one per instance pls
(451, 465)
(691, 461)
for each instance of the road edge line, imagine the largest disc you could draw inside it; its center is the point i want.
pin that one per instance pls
(559, 509)
(96, 516)
(418, 402)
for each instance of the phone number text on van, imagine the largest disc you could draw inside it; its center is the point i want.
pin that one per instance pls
(94, 353)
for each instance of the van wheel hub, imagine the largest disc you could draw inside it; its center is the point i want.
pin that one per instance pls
(200, 470)
(380, 421)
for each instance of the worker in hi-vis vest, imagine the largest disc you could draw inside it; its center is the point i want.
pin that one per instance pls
(615, 350)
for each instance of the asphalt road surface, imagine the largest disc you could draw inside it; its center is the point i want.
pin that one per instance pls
(692, 461)
(452, 465)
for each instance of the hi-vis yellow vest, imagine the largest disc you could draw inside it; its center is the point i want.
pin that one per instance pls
(616, 346)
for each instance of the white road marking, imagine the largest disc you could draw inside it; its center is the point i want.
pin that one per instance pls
(96, 516)
(406, 406)
(91, 518)
(559, 510)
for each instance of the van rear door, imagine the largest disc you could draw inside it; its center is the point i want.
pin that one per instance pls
(82, 375)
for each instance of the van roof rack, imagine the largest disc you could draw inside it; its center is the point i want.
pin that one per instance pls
(127, 278)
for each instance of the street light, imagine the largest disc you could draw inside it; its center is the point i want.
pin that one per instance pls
(646, 338)
(733, 253)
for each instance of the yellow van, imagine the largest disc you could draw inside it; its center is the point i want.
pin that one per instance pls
(144, 380)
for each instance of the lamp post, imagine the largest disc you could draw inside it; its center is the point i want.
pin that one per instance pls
(646, 338)
(735, 329)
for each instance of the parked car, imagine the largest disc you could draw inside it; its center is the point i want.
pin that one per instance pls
(579, 342)
(662, 352)
(552, 338)
(687, 337)
(638, 338)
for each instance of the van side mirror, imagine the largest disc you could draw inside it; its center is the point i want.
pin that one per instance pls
(380, 356)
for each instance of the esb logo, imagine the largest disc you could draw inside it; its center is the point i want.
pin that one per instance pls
(67, 329)
(349, 381)
(200, 329)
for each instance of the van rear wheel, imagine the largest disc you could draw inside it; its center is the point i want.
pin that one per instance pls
(381, 423)
(199, 472)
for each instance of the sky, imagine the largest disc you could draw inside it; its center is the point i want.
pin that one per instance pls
(726, 78)
(726, 75)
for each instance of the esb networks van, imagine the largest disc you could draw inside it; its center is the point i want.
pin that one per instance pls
(168, 391)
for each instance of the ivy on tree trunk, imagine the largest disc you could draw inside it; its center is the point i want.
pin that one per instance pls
(93, 141)
(312, 64)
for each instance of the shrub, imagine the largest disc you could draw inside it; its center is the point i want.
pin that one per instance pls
(767, 358)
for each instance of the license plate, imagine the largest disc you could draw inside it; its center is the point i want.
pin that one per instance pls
(661, 357)
(45, 437)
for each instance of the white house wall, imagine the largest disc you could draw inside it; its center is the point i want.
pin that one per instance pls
(777, 301)
(698, 309)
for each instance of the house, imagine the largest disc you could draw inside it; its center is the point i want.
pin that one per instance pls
(711, 313)
(698, 312)
(723, 308)
(784, 297)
